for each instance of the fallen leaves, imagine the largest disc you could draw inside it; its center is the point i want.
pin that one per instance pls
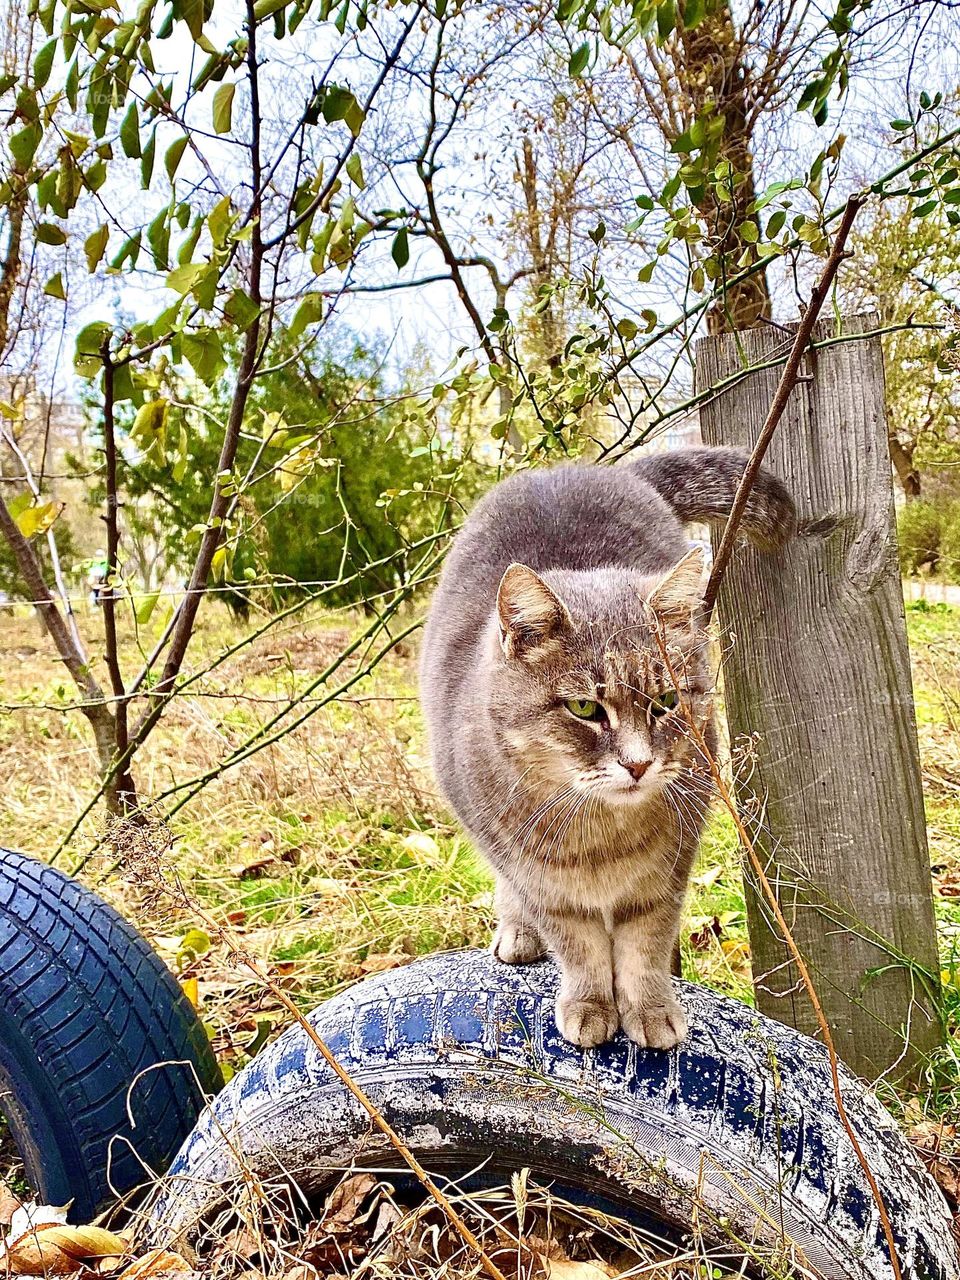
(9, 1204)
(156, 1263)
(40, 1243)
(939, 1149)
(566, 1270)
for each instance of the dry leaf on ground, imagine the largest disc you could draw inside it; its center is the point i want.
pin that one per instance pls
(9, 1204)
(566, 1270)
(59, 1250)
(158, 1262)
(345, 1201)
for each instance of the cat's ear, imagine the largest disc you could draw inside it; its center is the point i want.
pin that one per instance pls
(530, 612)
(680, 590)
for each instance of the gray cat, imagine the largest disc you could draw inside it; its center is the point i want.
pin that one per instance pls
(556, 731)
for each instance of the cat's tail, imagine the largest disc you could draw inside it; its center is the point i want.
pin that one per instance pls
(700, 485)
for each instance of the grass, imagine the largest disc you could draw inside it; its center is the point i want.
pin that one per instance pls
(330, 854)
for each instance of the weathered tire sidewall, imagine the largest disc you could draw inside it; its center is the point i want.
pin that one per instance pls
(463, 1057)
(104, 1064)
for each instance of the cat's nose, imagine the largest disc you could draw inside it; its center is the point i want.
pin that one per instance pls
(636, 768)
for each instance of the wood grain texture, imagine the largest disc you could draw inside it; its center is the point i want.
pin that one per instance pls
(816, 665)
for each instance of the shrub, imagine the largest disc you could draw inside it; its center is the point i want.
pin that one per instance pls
(920, 528)
(949, 559)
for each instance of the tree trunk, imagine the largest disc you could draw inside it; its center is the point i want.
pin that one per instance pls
(714, 77)
(907, 474)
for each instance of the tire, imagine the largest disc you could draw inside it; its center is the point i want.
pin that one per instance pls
(463, 1057)
(87, 1012)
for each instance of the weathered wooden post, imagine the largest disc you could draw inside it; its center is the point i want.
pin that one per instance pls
(816, 665)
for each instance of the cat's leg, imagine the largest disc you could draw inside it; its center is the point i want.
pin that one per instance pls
(586, 1012)
(644, 938)
(516, 940)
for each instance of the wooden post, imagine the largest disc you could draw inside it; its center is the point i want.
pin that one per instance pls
(816, 665)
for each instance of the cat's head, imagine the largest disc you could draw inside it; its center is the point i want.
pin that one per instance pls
(597, 676)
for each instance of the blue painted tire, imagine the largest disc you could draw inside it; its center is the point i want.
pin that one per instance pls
(463, 1057)
(103, 1062)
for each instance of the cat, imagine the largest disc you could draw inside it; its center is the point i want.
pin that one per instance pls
(556, 732)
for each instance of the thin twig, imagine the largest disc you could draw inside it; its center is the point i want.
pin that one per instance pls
(788, 380)
(122, 790)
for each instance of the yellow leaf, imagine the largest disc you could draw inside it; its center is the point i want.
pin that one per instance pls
(151, 419)
(85, 1242)
(196, 941)
(192, 990)
(421, 846)
(38, 519)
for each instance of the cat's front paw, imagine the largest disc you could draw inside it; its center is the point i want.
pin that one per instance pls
(655, 1024)
(517, 943)
(586, 1022)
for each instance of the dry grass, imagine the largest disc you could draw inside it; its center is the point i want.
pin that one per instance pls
(330, 853)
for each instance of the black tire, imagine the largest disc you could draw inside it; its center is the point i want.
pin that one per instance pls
(463, 1056)
(87, 1012)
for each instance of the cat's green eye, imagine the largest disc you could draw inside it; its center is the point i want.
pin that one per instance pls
(664, 703)
(585, 709)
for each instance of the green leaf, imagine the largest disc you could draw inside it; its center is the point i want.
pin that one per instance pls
(50, 233)
(223, 108)
(187, 248)
(71, 85)
(219, 221)
(627, 329)
(43, 63)
(182, 456)
(310, 311)
(775, 225)
(54, 287)
(95, 246)
(173, 156)
(192, 12)
(400, 250)
(147, 159)
(96, 175)
(240, 309)
(158, 238)
(130, 132)
(355, 171)
(144, 607)
(666, 18)
(203, 351)
(182, 279)
(749, 232)
(129, 252)
(87, 360)
(579, 59)
(694, 11)
(923, 210)
(23, 146)
(340, 104)
(266, 8)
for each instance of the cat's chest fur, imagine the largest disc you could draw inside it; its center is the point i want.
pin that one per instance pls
(614, 861)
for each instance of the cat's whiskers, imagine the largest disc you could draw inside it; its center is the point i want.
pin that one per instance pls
(529, 826)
